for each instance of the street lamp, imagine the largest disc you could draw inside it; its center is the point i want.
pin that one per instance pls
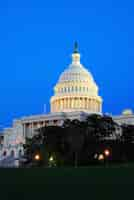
(106, 152)
(51, 159)
(37, 157)
(101, 157)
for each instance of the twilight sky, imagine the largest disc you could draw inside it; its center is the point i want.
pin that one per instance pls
(36, 42)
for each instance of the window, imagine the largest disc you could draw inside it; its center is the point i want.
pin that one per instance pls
(12, 153)
(72, 89)
(20, 152)
(4, 153)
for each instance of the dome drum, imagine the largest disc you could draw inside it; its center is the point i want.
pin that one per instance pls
(76, 103)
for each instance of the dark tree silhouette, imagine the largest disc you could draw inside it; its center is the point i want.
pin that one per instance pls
(75, 142)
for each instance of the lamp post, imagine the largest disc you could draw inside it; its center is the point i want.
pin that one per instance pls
(107, 154)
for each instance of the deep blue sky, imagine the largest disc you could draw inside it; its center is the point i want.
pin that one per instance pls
(36, 42)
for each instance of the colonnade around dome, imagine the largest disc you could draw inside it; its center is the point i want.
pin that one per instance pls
(74, 103)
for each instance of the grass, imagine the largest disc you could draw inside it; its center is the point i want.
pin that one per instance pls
(99, 182)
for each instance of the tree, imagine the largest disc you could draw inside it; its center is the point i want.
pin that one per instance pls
(73, 143)
(75, 139)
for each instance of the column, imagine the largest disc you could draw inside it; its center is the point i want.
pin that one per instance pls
(87, 103)
(95, 105)
(65, 103)
(55, 105)
(72, 102)
(78, 104)
(98, 110)
(59, 105)
(82, 102)
(32, 130)
(91, 105)
(69, 103)
(57, 109)
(24, 130)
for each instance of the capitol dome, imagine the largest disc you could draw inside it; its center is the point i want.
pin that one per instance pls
(76, 89)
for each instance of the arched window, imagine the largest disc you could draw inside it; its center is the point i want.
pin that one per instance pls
(69, 89)
(12, 153)
(80, 89)
(83, 88)
(76, 89)
(20, 152)
(4, 153)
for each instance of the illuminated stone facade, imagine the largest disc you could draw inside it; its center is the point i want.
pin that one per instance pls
(76, 90)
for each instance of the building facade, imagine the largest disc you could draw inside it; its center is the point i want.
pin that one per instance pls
(75, 97)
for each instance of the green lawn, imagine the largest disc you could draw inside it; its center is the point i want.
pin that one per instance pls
(68, 183)
(96, 174)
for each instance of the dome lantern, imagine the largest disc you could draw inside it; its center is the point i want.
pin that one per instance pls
(76, 47)
(75, 55)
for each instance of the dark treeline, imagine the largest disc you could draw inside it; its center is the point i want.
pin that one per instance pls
(81, 143)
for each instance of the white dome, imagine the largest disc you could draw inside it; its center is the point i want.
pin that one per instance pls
(76, 89)
(76, 72)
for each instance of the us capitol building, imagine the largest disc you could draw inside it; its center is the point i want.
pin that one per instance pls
(75, 97)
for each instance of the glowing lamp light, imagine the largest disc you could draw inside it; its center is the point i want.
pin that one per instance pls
(37, 157)
(101, 157)
(95, 156)
(107, 152)
(51, 158)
